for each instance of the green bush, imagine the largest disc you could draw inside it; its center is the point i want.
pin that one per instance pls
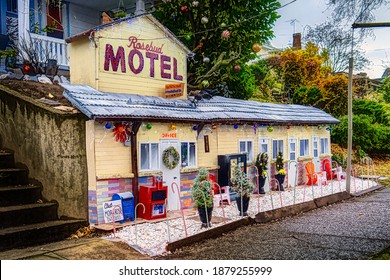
(375, 110)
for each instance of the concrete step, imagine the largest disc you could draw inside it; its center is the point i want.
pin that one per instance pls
(15, 215)
(38, 233)
(6, 159)
(13, 176)
(16, 195)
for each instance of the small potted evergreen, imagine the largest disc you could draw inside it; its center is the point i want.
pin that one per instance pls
(243, 187)
(280, 172)
(203, 195)
(261, 164)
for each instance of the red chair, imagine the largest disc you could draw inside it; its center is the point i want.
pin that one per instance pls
(327, 167)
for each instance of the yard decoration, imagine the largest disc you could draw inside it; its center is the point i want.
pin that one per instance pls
(170, 157)
(225, 34)
(121, 132)
(243, 187)
(149, 126)
(262, 167)
(204, 20)
(270, 128)
(108, 125)
(235, 126)
(280, 172)
(256, 47)
(237, 68)
(203, 195)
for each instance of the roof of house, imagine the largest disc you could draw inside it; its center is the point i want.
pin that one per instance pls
(99, 105)
(90, 32)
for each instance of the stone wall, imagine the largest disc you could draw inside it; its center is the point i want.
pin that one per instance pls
(52, 145)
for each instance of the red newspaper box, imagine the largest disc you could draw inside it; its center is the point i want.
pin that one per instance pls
(154, 199)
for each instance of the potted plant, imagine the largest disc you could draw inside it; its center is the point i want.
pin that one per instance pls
(280, 172)
(261, 164)
(203, 194)
(243, 187)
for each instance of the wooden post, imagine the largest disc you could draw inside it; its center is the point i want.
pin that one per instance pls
(134, 158)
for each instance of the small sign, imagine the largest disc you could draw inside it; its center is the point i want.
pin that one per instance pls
(169, 135)
(110, 207)
(206, 144)
(174, 90)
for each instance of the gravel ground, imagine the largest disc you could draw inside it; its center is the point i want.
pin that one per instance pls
(300, 234)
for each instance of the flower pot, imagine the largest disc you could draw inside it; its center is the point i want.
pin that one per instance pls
(280, 179)
(205, 215)
(261, 183)
(245, 204)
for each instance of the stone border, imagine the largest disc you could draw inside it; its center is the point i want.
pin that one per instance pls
(262, 217)
(211, 233)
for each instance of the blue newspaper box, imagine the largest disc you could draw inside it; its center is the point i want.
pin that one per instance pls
(127, 199)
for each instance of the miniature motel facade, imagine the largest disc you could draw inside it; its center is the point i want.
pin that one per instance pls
(130, 76)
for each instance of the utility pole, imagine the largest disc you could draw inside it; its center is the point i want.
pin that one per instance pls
(350, 80)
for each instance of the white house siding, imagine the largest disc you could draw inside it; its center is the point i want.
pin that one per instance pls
(82, 19)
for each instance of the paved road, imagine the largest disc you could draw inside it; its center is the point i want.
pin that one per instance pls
(353, 229)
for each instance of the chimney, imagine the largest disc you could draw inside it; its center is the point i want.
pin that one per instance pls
(139, 7)
(297, 41)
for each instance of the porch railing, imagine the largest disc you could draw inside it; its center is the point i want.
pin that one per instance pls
(51, 48)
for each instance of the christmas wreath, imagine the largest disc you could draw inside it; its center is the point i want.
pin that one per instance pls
(170, 157)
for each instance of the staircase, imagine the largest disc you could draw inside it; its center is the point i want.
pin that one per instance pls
(25, 219)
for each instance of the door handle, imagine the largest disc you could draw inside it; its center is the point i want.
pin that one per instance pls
(174, 177)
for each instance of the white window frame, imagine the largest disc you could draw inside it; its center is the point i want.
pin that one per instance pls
(188, 154)
(323, 152)
(151, 157)
(249, 154)
(315, 147)
(305, 148)
(292, 140)
(264, 141)
(279, 148)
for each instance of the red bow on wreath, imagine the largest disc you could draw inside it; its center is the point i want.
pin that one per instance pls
(121, 131)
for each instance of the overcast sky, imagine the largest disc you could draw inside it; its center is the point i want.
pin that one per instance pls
(301, 13)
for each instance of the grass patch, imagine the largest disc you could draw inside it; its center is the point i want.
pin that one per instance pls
(382, 255)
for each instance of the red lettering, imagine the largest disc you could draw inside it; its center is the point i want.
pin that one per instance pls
(164, 66)
(114, 59)
(152, 57)
(131, 61)
(175, 75)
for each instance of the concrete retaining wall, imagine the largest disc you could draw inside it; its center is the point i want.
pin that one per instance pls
(52, 146)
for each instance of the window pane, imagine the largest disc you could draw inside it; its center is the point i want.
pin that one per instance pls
(274, 149)
(144, 156)
(250, 151)
(184, 154)
(280, 146)
(154, 156)
(263, 148)
(242, 147)
(192, 154)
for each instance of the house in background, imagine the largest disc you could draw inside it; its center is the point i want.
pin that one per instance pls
(47, 23)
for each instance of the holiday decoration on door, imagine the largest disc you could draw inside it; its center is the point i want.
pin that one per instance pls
(170, 157)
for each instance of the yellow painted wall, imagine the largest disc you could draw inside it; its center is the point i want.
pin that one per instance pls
(113, 159)
(145, 32)
(82, 63)
(88, 65)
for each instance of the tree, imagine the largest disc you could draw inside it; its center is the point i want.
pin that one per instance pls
(385, 89)
(298, 68)
(357, 11)
(220, 34)
(336, 44)
(334, 95)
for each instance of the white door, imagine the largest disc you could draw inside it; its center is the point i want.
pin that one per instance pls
(171, 176)
(293, 162)
(316, 154)
(265, 148)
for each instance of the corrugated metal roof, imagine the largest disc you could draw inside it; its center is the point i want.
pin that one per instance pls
(103, 105)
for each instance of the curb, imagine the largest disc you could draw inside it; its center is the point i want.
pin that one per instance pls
(271, 215)
(211, 233)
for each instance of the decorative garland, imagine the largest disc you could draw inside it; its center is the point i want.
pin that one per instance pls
(166, 157)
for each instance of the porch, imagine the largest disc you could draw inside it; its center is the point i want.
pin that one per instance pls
(45, 24)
